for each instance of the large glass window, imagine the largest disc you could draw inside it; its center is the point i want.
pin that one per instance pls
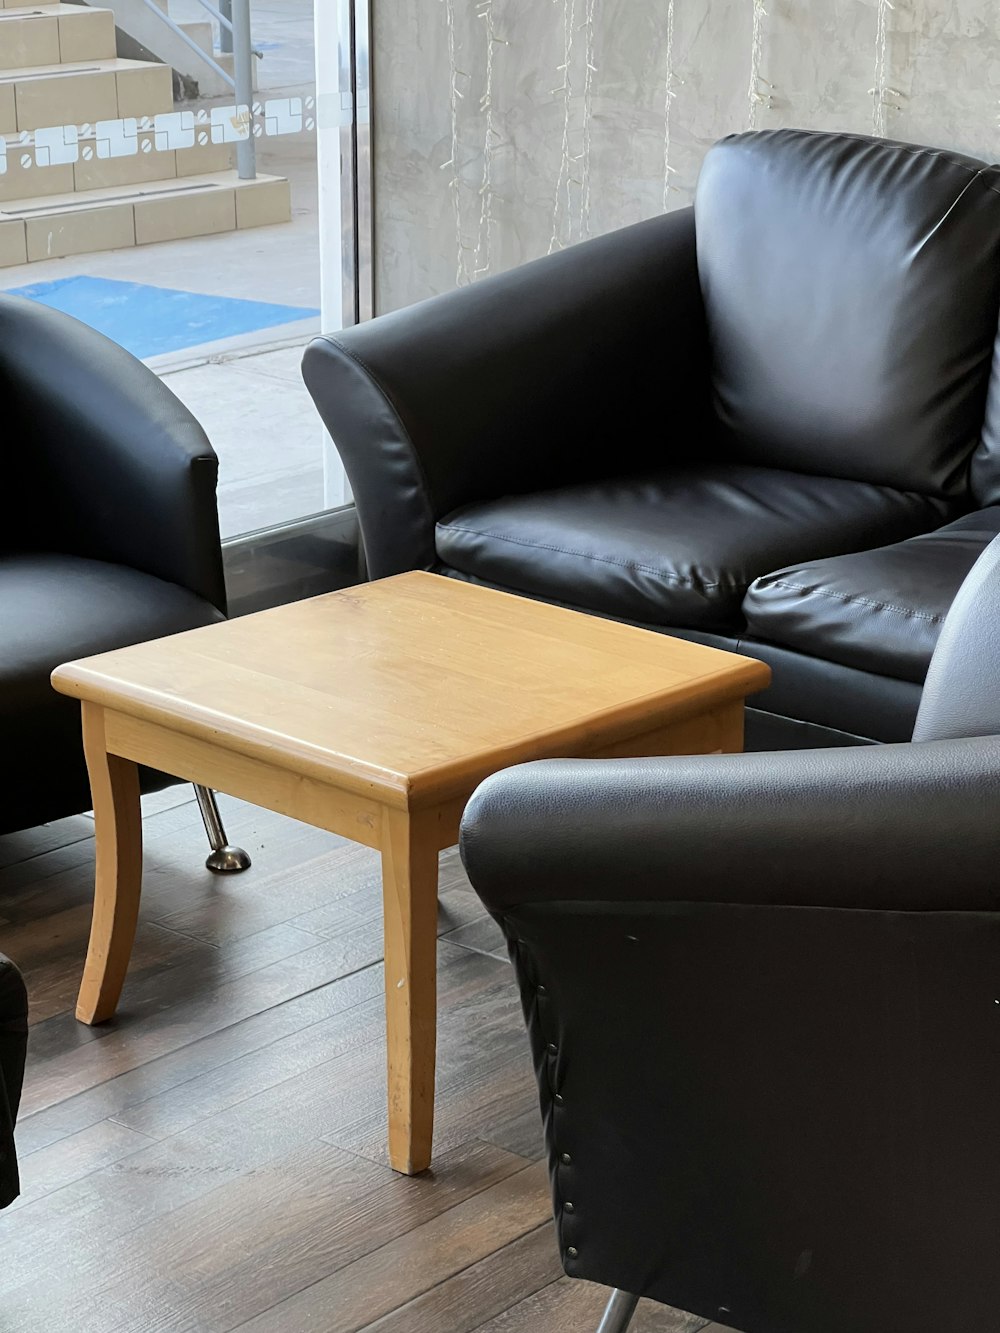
(141, 194)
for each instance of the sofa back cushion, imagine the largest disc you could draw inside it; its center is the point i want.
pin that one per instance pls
(852, 287)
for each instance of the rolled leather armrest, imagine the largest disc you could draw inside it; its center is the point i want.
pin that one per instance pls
(896, 827)
(13, 1044)
(567, 368)
(102, 460)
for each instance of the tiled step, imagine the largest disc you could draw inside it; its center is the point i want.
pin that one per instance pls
(226, 60)
(115, 218)
(52, 34)
(24, 178)
(203, 34)
(82, 92)
(199, 32)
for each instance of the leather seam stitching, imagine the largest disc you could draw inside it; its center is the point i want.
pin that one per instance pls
(582, 555)
(860, 601)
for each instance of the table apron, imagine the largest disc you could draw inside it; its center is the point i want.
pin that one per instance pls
(325, 805)
(269, 785)
(717, 730)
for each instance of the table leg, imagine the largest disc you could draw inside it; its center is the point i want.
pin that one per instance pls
(114, 785)
(409, 887)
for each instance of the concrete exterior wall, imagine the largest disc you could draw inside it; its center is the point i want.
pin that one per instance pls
(818, 62)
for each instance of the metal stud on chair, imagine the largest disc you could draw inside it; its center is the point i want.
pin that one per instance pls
(619, 1312)
(223, 859)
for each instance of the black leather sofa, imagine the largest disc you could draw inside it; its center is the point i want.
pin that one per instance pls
(109, 535)
(13, 1047)
(770, 422)
(761, 994)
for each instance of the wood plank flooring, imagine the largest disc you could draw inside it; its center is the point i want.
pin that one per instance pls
(214, 1158)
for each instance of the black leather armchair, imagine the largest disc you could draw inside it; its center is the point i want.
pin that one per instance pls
(763, 1004)
(109, 535)
(770, 423)
(13, 1046)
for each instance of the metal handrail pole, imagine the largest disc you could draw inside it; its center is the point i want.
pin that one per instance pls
(189, 41)
(226, 16)
(246, 153)
(223, 15)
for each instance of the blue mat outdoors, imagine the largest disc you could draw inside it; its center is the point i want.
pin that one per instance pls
(149, 321)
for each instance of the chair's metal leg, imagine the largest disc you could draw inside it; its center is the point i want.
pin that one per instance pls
(223, 859)
(618, 1315)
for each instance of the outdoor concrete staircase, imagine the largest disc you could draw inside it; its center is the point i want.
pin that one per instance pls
(59, 68)
(158, 41)
(203, 32)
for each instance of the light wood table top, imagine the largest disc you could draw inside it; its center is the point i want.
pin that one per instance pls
(408, 687)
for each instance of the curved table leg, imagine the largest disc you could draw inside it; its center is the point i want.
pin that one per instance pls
(114, 784)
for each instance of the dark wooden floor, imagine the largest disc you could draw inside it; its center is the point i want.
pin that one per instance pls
(214, 1159)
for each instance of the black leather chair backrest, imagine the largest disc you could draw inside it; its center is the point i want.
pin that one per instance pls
(961, 695)
(852, 290)
(103, 460)
(13, 1045)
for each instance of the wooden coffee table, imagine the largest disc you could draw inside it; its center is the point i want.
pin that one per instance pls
(374, 713)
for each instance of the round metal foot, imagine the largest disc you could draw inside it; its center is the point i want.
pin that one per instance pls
(228, 861)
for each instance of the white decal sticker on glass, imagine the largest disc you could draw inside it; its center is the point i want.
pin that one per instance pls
(117, 138)
(57, 145)
(174, 129)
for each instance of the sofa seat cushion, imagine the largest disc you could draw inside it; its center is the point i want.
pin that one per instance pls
(677, 546)
(54, 608)
(878, 610)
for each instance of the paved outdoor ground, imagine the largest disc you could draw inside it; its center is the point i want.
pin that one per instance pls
(246, 390)
(265, 430)
(282, 31)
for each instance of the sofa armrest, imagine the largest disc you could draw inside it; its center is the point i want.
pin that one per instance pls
(569, 368)
(103, 460)
(896, 827)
